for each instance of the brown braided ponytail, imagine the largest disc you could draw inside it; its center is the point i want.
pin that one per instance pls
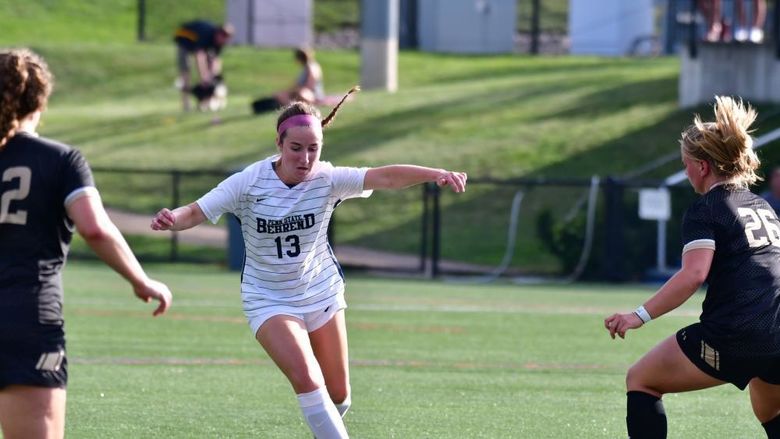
(299, 107)
(335, 109)
(726, 143)
(25, 85)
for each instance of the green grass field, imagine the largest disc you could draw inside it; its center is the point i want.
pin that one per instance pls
(498, 116)
(428, 359)
(492, 116)
(501, 116)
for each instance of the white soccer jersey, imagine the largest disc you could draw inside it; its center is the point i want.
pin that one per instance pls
(288, 260)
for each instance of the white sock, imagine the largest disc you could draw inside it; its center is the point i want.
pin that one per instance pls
(321, 415)
(343, 406)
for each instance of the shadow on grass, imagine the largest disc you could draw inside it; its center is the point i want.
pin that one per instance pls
(488, 67)
(375, 131)
(466, 226)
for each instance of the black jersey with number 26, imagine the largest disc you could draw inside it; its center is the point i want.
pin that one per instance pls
(38, 178)
(740, 313)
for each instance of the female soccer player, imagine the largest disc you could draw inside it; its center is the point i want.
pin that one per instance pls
(45, 189)
(292, 287)
(732, 241)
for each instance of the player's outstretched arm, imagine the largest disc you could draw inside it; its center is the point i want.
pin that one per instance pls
(679, 288)
(102, 236)
(401, 176)
(181, 218)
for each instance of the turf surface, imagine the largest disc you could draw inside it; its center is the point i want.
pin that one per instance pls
(428, 359)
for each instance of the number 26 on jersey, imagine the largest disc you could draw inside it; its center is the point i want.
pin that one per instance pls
(761, 227)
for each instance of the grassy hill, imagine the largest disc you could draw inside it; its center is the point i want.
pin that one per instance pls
(493, 116)
(84, 20)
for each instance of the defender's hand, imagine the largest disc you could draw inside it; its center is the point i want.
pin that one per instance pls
(620, 324)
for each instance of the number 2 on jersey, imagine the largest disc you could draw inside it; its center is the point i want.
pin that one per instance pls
(24, 174)
(760, 219)
(294, 244)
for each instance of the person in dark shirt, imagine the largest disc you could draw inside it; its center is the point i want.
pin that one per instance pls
(731, 241)
(46, 189)
(203, 41)
(772, 194)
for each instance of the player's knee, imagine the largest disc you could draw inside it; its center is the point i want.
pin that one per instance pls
(766, 414)
(304, 381)
(635, 379)
(338, 391)
(631, 378)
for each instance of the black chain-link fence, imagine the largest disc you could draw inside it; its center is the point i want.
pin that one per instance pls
(518, 227)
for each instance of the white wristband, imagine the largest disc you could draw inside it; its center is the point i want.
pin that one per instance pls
(643, 315)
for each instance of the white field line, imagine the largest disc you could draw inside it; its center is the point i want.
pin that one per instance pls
(171, 361)
(510, 309)
(411, 307)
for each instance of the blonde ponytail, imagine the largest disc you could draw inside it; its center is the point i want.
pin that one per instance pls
(726, 143)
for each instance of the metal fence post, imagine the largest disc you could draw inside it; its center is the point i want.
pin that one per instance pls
(776, 27)
(436, 232)
(176, 178)
(693, 49)
(535, 6)
(613, 231)
(424, 232)
(141, 20)
(250, 20)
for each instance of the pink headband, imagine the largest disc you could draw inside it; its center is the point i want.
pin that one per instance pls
(299, 120)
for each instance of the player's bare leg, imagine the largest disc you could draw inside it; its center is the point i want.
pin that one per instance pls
(28, 412)
(765, 399)
(330, 347)
(651, 373)
(286, 340)
(649, 379)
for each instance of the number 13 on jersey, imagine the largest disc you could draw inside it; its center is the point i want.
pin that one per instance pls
(292, 242)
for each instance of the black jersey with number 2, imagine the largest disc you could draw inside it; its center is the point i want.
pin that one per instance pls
(740, 313)
(38, 178)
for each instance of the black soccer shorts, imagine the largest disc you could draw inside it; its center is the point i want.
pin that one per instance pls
(732, 369)
(34, 360)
